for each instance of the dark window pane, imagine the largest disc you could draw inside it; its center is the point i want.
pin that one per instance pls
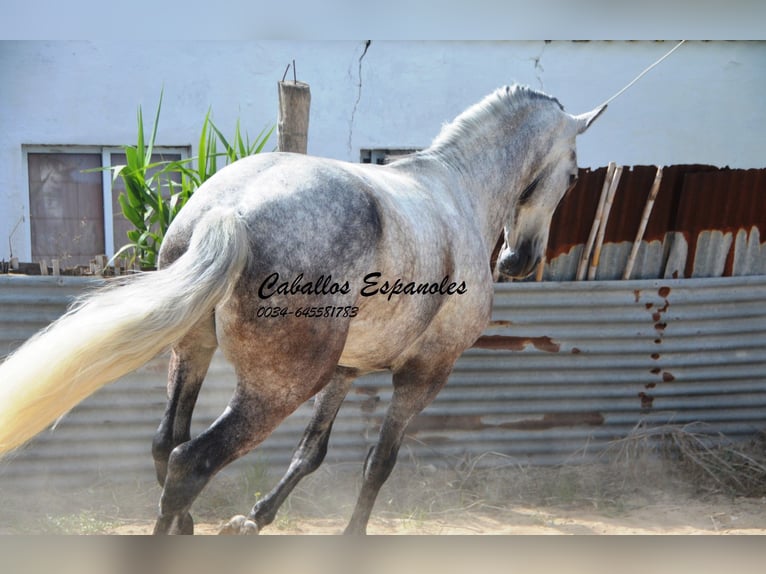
(66, 207)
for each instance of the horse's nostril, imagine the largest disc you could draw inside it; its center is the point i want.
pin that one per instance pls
(517, 264)
(511, 263)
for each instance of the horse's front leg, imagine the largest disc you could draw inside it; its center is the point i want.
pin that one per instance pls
(416, 384)
(312, 448)
(189, 363)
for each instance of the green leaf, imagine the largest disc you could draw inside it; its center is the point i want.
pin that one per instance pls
(202, 152)
(220, 135)
(263, 138)
(140, 147)
(243, 149)
(132, 158)
(129, 212)
(133, 192)
(213, 157)
(149, 149)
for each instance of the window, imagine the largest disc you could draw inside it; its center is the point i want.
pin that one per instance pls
(74, 214)
(382, 156)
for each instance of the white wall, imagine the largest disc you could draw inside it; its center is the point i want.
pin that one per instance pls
(702, 105)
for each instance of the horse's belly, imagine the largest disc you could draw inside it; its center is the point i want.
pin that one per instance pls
(369, 353)
(377, 336)
(380, 336)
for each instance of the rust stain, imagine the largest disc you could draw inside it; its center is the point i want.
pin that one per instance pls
(446, 422)
(660, 326)
(507, 343)
(646, 400)
(664, 292)
(425, 422)
(704, 204)
(656, 371)
(648, 305)
(553, 420)
(650, 385)
(667, 377)
(637, 295)
(576, 351)
(655, 356)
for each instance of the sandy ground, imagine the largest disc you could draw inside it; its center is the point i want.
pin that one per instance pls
(638, 499)
(743, 516)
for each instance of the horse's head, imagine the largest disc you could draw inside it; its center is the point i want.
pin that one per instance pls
(550, 177)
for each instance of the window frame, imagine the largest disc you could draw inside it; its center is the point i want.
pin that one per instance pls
(105, 151)
(384, 155)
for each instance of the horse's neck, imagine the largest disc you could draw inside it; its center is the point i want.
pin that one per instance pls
(490, 174)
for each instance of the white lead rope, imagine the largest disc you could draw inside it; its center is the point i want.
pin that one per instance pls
(642, 74)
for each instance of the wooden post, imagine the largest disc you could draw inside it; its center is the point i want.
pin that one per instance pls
(588, 248)
(642, 226)
(540, 269)
(604, 220)
(293, 122)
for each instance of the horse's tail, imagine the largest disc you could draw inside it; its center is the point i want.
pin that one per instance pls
(117, 329)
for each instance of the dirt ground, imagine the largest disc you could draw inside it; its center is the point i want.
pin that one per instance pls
(637, 498)
(742, 516)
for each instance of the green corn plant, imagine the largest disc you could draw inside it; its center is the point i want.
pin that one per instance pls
(156, 192)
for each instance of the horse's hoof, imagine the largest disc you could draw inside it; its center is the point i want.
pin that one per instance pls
(239, 525)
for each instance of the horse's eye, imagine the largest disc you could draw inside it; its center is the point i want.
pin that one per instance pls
(572, 180)
(526, 195)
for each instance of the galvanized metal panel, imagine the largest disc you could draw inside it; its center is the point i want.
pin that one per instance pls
(564, 369)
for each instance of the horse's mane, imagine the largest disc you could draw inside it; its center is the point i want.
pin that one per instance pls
(503, 102)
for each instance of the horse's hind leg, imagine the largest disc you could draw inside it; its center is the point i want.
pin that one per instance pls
(312, 448)
(193, 463)
(415, 386)
(252, 414)
(273, 380)
(189, 361)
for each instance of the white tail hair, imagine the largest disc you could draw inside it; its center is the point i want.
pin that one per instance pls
(117, 329)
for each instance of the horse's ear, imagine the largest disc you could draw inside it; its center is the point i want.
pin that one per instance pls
(585, 120)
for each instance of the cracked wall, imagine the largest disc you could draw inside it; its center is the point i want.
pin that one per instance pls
(359, 82)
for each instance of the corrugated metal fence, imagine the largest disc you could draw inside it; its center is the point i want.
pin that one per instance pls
(564, 369)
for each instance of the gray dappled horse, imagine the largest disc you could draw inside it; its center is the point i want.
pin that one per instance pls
(308, 273)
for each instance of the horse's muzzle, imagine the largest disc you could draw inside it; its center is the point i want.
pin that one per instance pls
(520, 263)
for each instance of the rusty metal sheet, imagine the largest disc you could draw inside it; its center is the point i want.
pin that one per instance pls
(701, 209)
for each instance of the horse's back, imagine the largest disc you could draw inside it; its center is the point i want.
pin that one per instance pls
(298, 208)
